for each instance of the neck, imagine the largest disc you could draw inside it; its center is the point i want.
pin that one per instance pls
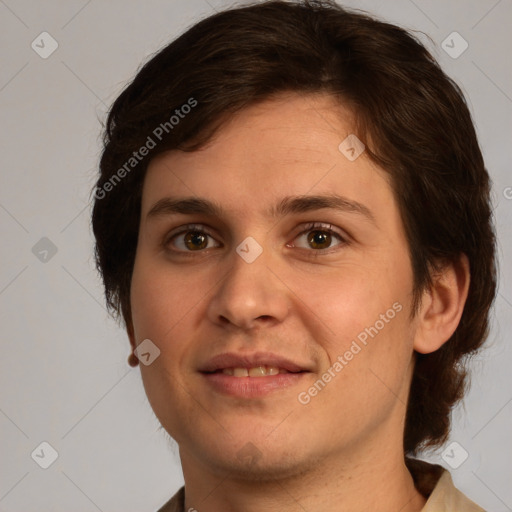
(378, 483)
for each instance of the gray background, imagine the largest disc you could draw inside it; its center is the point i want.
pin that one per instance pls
(64, 377)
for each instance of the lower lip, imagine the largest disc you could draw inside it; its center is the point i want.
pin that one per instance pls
(249, 387)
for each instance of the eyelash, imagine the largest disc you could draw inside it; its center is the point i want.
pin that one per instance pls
(313, 226)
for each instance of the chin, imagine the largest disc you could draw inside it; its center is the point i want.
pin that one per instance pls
(263, 467)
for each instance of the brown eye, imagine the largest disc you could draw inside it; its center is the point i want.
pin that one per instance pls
(195, 240)
(320, 237)
(191, 239)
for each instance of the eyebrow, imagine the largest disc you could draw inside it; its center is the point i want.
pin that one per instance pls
(286, 206)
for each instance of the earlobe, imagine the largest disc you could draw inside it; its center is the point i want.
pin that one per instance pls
(442, 306)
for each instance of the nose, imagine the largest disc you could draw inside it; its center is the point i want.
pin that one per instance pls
(250, 295)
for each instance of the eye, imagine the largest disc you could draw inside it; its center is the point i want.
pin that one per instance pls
(193, 238)
(320, 236)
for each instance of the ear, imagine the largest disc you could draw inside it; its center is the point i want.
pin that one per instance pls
(442, 306)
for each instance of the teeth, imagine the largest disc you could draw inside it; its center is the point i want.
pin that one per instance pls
(258, 371)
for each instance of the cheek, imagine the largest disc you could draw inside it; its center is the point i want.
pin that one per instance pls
(353, 301)
(165, 309)
(369, 359)
(365, 312)
(159, 309)
(158, 301)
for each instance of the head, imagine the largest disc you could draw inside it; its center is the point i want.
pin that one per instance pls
(247, 110)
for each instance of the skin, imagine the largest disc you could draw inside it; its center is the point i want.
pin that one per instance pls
(305, 301)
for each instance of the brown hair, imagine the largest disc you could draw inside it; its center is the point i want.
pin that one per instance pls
(413, 119)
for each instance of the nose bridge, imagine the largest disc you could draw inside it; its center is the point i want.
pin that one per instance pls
(249, 290)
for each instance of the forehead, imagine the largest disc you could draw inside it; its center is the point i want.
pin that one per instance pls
(289, 145)
(290, 124)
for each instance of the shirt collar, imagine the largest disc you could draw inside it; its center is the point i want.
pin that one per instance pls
(436, 484)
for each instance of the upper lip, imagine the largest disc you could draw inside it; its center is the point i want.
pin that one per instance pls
(233, 360)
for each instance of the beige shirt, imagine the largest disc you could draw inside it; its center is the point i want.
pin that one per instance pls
(432, 480)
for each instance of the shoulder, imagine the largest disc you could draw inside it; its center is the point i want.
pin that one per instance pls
(436, 484)
(176, 503)
(446, 496)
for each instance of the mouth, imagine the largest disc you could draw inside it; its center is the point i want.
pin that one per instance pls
(256, 371)
(252, 375)
(258, 363)
(246, 386)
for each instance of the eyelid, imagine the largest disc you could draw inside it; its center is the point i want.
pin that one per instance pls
(310, 226)
(190, 227)
(203, 228)
(343, 238)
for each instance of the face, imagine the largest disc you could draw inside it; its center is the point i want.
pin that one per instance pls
(282, 317)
